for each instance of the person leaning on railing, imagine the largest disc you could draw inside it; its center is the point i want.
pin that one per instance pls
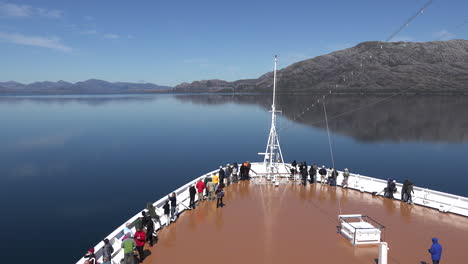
(152, 212)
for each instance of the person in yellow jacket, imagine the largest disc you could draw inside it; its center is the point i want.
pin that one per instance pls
(215, 181)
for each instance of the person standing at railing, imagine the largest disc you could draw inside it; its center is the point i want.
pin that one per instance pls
(222, 175)
(192, 193)
(234, 172)
(107, 250)
(344, 183)
(207, 179)
(90, 257)
(242, 172)
(200, 187)
(409, 192)
(149, 225)
(312, 173)
(323, 175)
(215, 180)
(228, 172)
(128, 244)
(303, 170)
(152, 213)
(167, 210)
(173, 199)
(140, 240)
(210, 188)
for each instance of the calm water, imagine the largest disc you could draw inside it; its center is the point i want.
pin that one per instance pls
(73, 168)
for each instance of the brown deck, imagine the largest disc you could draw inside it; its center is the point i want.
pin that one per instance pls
(297, 224)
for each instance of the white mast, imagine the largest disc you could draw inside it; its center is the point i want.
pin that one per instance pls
(273, 156)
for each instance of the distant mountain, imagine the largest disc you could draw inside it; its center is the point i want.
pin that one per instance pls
(371, 67)
(91, 86)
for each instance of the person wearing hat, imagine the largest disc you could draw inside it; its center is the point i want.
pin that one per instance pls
(107, 250)
(90, 257)
(344, 183)
(128, 245)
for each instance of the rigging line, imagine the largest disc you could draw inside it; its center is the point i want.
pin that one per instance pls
(328, 132)
(364, 106)
(420, 11)
(331, 150)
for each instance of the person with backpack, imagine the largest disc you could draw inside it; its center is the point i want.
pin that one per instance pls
(219, 195)
(107, 250)
(192, 192)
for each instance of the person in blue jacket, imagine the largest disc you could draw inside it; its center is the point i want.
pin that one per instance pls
(436, 251)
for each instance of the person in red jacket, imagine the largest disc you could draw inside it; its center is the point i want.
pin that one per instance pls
(140, 239)
(200, 187)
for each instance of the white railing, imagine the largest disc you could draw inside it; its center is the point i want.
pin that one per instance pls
(115, 238)
(444, 202)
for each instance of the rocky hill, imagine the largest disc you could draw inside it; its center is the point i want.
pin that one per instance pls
(371, 67)
(91, 86)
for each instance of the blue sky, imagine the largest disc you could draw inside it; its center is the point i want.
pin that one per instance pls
(170, 42)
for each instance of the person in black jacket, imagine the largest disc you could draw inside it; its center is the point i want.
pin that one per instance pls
(172, 197)
(221, 176)
(303, 169)
(312, 173)
(323, 175)
(333, 177)
(192, 192)
(167, 211)
(149, 225)
(242, 172)
(107, 250)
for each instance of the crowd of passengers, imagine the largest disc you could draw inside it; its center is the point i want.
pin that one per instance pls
(208, 188)
(329, 177)
(211, 188)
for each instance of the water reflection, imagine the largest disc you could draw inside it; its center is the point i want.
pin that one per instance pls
(434, 118)
(91, 100)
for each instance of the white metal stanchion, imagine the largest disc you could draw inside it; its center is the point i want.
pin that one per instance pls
(383, 252)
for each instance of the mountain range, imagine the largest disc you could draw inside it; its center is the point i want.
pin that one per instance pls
(92, 86)
(369, 67)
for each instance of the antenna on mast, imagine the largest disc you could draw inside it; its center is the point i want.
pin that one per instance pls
(273, 156)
